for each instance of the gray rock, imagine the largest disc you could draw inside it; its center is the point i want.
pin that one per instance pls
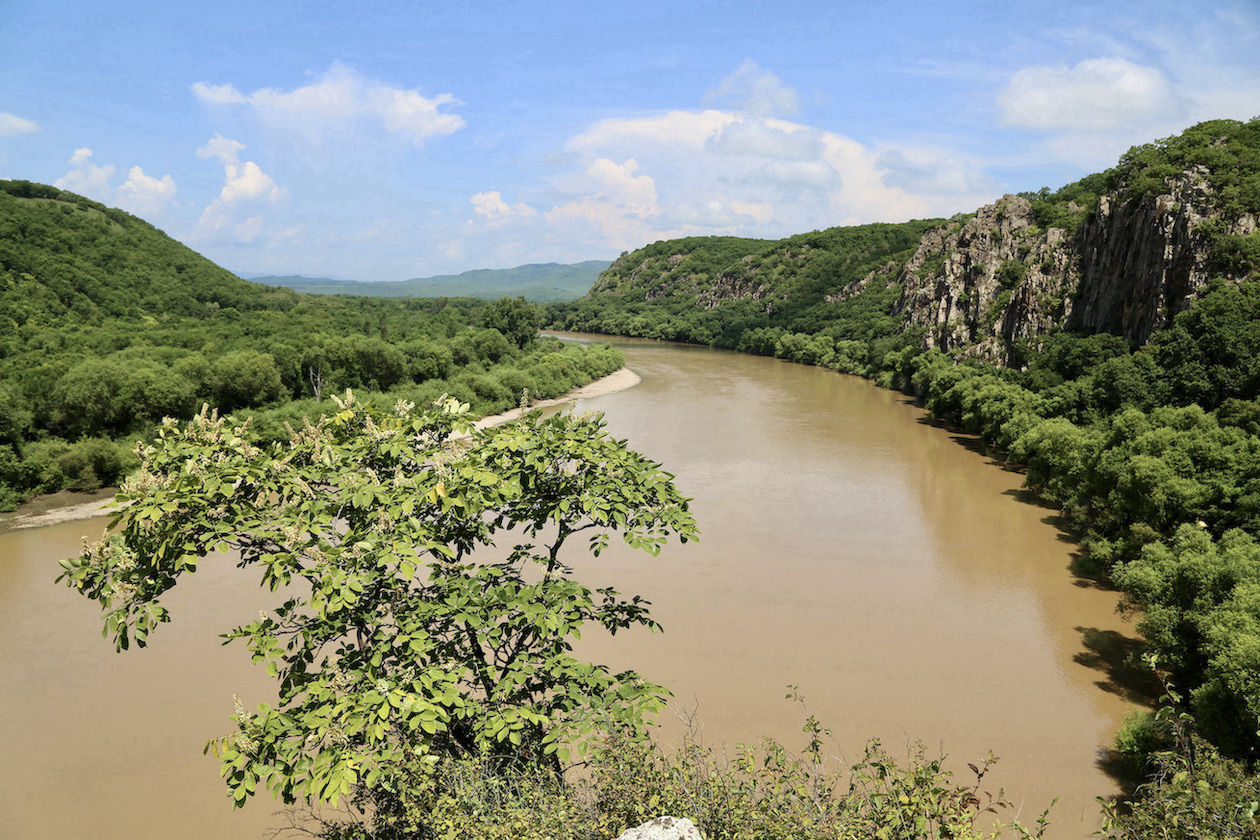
(664, 828)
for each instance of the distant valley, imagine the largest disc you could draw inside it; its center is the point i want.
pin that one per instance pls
(540, 283)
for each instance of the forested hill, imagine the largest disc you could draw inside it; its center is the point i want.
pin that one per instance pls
(719, 290)
(107, 326)
(67, 258)
(1122, 252)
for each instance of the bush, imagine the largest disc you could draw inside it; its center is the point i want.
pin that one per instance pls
(765, 793)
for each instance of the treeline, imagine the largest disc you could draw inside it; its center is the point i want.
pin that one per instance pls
(73, 402)
(107, 326)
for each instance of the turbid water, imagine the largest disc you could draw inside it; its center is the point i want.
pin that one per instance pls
(889, 568)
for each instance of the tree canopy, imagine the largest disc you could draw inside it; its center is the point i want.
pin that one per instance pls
(428, 598)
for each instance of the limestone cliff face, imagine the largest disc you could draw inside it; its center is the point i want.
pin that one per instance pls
(988, 282)
(980, 287)
(1142, 263)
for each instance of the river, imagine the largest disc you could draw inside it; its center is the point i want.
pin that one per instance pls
(887, 567)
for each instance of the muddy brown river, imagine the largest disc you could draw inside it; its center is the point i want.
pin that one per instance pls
(886, 567)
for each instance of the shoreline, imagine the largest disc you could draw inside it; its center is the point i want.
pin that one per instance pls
(66, 506)
(619, 380)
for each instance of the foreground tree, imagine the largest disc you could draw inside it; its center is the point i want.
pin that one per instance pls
(407, 633)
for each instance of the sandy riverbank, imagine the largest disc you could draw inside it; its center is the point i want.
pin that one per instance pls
(67, 507)
(617, 381)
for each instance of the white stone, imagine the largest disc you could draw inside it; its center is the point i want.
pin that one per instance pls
(664, 828)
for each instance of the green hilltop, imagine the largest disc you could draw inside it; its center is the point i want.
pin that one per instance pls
(64, 257)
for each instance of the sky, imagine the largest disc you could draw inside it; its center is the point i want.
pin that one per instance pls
(384, 139)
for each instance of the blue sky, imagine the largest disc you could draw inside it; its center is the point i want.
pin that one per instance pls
(381, 140)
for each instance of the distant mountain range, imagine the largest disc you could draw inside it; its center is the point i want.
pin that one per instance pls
(537, 282)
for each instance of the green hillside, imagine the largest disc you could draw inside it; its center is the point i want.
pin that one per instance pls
(64, 257)
(107, 326)
(720, 290)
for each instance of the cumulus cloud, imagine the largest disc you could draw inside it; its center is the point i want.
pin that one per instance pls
(1098, 94)
(12, 125)
(927, 170)
(341, 97)
(86, 178)
(492, 207)
(614, 205)
(141, 194)
(770, 139)
(756, 91)
(246, 188)
(629, 181)
(218, 94)
(145, 195)
(726, 172)
(241, 181)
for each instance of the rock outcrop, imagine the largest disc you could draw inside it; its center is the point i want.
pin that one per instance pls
(988, 282)
(1141, 263)
(1123, 252)
(980, 287)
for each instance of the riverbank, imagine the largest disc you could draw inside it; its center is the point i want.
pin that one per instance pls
(619, 380)
(66, 506)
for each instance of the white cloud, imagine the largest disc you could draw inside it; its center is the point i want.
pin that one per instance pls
(756, 91)
(224, 148)
(686, 131)
(772, 177)
(626, 182)
(927, 170)
(12, 125)
(341, 97)
(86, 178)
(1098, 94)
(771, 139)
(145, 195)
(141, 194)
(492, 207)
(614, 205)
(241, 181)
(218, 94)
(616, 183)
(246, 188)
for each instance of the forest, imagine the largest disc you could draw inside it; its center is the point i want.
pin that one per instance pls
(1151, 452)
(107, 326)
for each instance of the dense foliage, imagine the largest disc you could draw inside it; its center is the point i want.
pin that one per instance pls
(428, 610)
(722, 290)
(1225, 152)
(107, 326)
(1228, 152)
(762, 793)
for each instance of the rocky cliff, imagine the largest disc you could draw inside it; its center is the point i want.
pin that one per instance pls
(982, 286)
